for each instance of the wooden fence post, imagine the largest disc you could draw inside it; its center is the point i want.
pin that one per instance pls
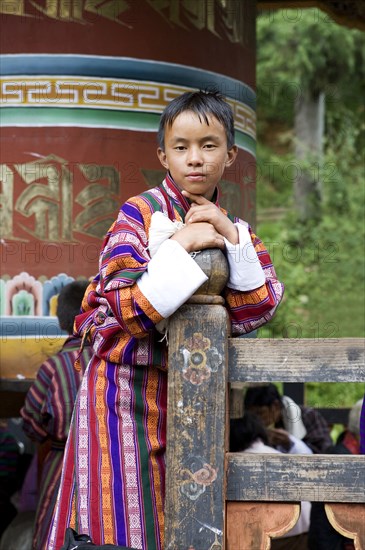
(196, 420)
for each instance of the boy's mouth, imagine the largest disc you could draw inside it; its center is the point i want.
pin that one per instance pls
(196, 176)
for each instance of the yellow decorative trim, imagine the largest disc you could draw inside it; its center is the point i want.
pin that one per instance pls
(246, 298)
(146, 306)
(104, 93)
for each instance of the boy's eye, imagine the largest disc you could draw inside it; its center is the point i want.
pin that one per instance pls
(209, 145)
(180, 148)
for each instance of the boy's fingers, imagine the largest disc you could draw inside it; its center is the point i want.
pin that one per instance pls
(198, 199)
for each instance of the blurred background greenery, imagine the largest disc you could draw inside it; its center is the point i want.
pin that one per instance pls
(310, 179)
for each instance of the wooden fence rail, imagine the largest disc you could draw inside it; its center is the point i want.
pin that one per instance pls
(296, 360)
(317, 478)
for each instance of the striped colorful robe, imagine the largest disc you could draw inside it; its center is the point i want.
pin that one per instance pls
(113, 477)
(46, 416)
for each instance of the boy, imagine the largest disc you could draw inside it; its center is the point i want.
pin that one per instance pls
(113, 478)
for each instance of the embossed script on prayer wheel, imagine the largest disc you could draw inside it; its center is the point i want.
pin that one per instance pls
(214, 264)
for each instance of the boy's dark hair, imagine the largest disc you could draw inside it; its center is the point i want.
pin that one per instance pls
(69, 303)
(261, 396)
(245, 431)
(203, 104)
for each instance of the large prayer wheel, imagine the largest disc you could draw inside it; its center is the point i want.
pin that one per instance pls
(83, 85)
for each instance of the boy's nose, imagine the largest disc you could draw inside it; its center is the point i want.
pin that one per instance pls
(195, 157)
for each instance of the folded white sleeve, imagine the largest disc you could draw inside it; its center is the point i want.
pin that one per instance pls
(172, 276)
(245, 271)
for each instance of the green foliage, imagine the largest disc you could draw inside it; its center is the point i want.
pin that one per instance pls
(321, 263)
(322, 266)
(306, 51)
(274, 179)
(333, 397)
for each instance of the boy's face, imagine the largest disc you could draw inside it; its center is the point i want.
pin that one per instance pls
(196, 153)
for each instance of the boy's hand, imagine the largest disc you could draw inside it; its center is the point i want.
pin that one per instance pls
(198, 236)
(203, 210)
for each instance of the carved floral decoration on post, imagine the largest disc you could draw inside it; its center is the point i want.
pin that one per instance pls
(198, 481)
(200, 359)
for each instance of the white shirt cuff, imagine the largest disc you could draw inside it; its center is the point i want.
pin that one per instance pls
(245, 271)
(171, 278)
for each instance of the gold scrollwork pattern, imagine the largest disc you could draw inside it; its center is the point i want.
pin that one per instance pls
(223, 18)
(49, 199)
(98, 200)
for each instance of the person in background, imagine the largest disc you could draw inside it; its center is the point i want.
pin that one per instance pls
(249, 435)
(48, 408)
(282, 416)
(322, 536)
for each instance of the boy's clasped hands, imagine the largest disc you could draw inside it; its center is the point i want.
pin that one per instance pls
(205, 226)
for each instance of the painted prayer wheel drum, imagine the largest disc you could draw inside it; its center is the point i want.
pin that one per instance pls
(214, 264)
(83, 85)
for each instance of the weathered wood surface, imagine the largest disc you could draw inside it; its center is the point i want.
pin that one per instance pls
(251, 524)
(296, 360)
(214, 264)
(235, 403)
(349, 520)
(278, 477)
(196, 434)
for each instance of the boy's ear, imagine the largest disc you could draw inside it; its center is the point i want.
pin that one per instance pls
(162, 158)
(231, 155)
